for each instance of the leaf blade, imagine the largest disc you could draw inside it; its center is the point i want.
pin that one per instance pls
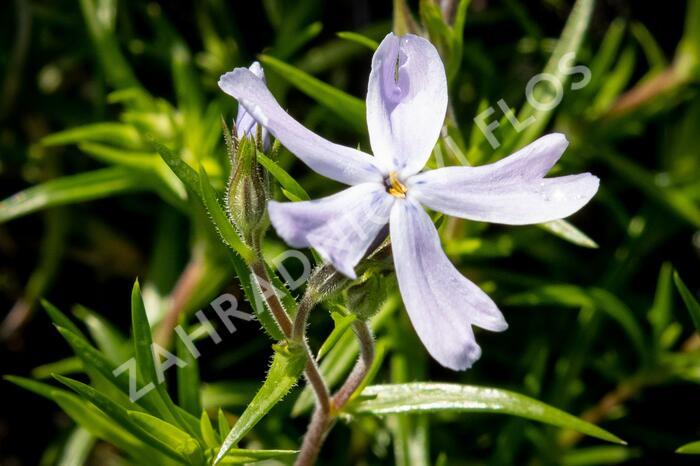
(88, 186)
(440, 397)
(287, 366)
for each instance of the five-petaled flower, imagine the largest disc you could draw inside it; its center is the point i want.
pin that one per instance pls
(406, 107)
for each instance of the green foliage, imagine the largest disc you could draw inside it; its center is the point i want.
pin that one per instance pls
(690, 302)
(434, 398)
(287, 365)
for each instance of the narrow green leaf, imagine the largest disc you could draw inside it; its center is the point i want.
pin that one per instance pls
(188, 381)
(108, 338)
(95, 422)
(286, 46)
(673, 199)
(119, 415)
(342, 324)
(345, 106)
(117, 156)
(606, 54)
(144, 352)
(688, 51)
(40, 388)
(63, 366)
(692, 448)
(287, 365)
(118, 134)
(60, 319)
(185, 445)
(77, 448)
(222, 424)
(615, 83)
(187, 88)
(208, 433)
(659, 315)
(568, 45)
(72, 189)
(223, 225)
(598, 456)
(240, 456)
(98, 366)
(100, 25)
(170, 434)
(182, 170)
(442, 397)
(359, 39)
(291, 196)
(690, 302)
(229, 394)
(285, 179)
(595, 298)
(89, 417)
(568, 232)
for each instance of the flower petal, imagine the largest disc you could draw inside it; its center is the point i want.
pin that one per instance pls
(406, 102)
(441, 302)
(245, 123)
(340, 163)
(340, 227)
(511, 191)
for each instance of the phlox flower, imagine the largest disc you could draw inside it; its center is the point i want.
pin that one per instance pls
(406, 107)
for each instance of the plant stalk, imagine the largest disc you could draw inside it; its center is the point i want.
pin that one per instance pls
(322, 420)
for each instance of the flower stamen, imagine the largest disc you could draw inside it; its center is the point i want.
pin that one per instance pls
(395, 187)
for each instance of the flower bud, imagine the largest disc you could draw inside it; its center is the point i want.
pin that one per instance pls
(366, 297)
(248, 192)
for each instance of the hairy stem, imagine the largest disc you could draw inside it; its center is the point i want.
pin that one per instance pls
(359, 372)
(300, 321)
(273, 302)
(319, 426)
(313, 376)
(322, 421)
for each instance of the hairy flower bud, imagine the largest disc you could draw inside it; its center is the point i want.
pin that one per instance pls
(248, 192)
(366, 297)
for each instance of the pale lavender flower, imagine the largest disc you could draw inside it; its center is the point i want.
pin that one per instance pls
(245, 123)
(406, 106)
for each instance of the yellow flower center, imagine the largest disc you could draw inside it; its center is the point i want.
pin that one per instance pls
(395, 187)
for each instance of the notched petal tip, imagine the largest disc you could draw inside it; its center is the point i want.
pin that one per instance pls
(257, 69)
(406, 102)
(442, 304)
(465, 359)
(229, 81)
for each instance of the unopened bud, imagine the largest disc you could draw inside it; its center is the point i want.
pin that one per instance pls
(366, 297)
(248, 192)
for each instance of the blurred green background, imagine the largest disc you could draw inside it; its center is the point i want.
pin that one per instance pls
(601, 333)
